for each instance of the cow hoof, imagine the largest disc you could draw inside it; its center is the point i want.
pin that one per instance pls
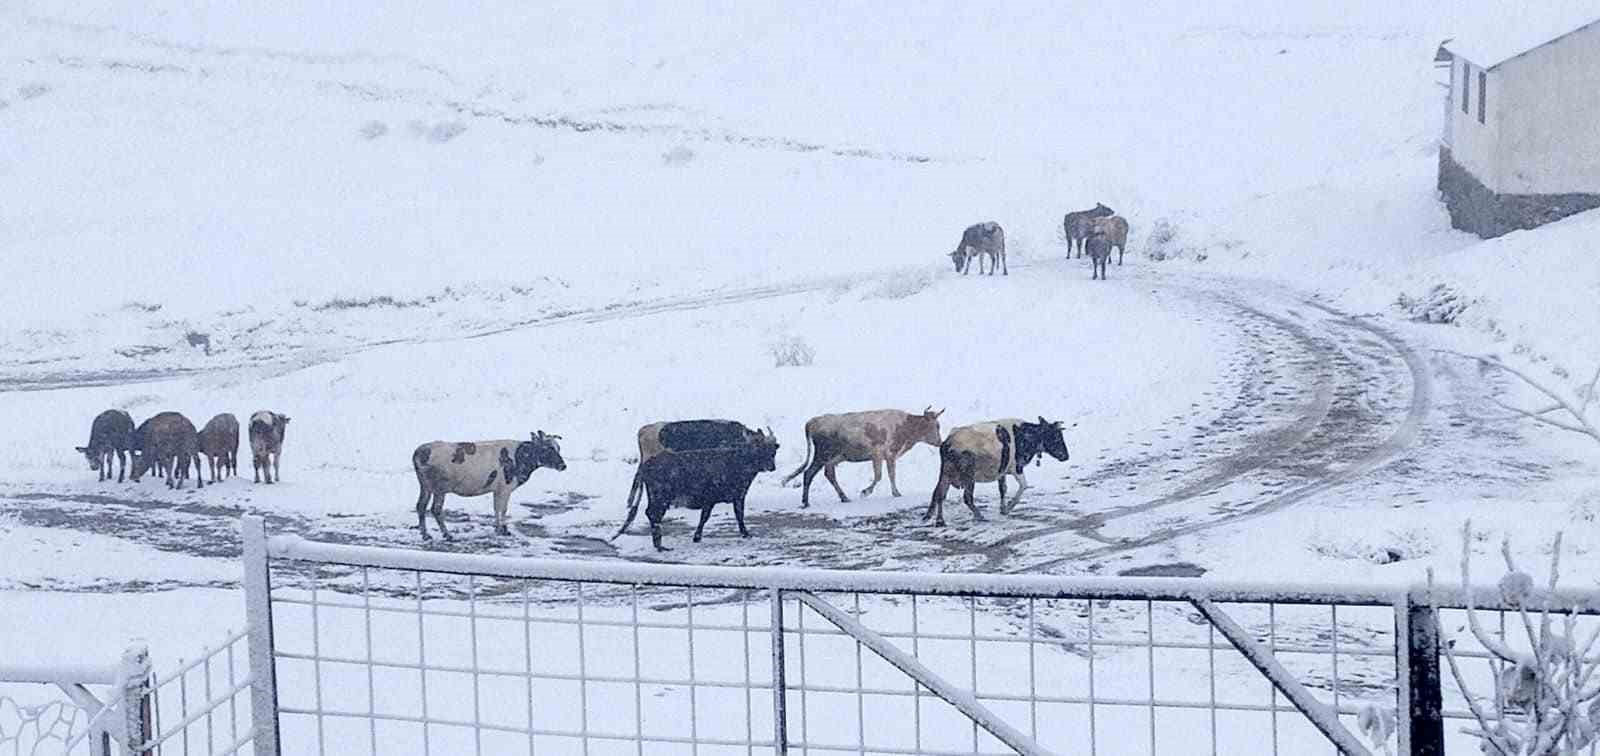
(805, 505)
(745, 534)
(426, 538)
(696, 539)
(895, 494)
(844, 499)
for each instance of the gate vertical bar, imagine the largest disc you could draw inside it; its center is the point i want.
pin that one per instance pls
(258, 615)
(137, 727)
(780, 707)
(1419, 697)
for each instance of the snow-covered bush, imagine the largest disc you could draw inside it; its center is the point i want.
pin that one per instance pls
(902, 285)
(1440, 304)
(1546, 700)
(792, 352)
(1385, 548)
(1166, 242)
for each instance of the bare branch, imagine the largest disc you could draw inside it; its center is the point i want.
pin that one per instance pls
(1455, 667)
(1541, 418)
(1580, 422)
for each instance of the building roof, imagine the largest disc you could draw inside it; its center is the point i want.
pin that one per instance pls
(1495, 37)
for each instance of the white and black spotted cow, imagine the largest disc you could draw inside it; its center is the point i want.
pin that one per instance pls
(474, 468)
(988, 452)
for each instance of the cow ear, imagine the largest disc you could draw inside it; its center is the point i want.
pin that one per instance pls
(81, 449)
(940, 412)
(1043, 421)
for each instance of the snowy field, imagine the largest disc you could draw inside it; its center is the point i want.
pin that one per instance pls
(425, 223)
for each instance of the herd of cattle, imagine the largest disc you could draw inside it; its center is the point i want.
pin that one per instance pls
(1095, 231)
(694, 464)
(168, 442)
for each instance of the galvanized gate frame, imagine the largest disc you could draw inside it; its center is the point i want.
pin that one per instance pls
(1418, 708)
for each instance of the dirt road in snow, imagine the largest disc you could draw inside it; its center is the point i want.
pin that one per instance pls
(1323, 404)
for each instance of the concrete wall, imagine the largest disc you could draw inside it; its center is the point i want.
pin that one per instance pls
(1548, 106)
(1477, 209)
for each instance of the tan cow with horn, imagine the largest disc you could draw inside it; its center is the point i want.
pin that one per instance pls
(877, 436)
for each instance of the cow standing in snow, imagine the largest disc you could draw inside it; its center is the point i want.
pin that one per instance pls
(986, 452)
(1115, 229)
(474, 468)
(168, 442)
(1099, 247)
(266, 444)
(981, 240)
(111, 434)
(1077, 225)
(219, 442)
(878, 436)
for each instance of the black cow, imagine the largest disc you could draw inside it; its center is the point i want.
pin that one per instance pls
(688, 435)
(110, 434)
(700, 479)
(1077, 225)
(1099, 246)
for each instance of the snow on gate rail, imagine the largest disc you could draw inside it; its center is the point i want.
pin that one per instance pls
(389, 650)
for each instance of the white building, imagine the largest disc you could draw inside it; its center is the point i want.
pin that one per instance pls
(1521, 143)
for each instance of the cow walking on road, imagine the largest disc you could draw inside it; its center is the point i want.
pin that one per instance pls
(474, 468)
(878, 436)
(987, 452)
(701, 479)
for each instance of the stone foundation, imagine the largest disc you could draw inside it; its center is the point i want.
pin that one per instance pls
(1476, 209)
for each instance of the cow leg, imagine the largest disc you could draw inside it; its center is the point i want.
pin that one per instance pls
(877, 475)
(502, 499)
(811, 474)
(1002, 493)
(738, 516)
(422, 509)
(1119, 256)
(438, 516)
(831, 472)
(968, 497)
(705, 516)
(277, 458)
(1004, 271)
(1022, 485)
(894, 487)
(255, 465)
(122, 465)
(936, 504)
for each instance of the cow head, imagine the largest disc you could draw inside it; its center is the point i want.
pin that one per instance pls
(924, 428)
(764, 451)
(1043, 436)
(541, 450)
(94, 459)
(959, 257)
(141, 465)
(1101, 211)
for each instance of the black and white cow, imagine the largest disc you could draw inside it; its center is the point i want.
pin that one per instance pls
(474, 468)
(988, 452)
(111, 434)
(981, 240)
(700, 479)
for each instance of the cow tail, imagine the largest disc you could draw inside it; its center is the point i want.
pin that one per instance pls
(811, 444)
(1005, 449)
(633, 503)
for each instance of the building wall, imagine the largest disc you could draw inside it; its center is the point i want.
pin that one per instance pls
(1548, 101)
(1475, 146)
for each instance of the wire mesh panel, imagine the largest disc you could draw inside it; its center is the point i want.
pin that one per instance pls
(431, 663)
(1079, 676)
(202, 706)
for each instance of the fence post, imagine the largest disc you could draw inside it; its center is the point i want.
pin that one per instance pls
(780, 694)
(1419, 696)
(137, 728)
(258, 616)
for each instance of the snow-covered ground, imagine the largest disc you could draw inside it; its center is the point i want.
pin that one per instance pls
(422, 223)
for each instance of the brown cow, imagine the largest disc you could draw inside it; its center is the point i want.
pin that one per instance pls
(266, 443)
(1115, 229)
(167, 443)
(878, 436)
(991, 451)
(219, 442)
(1076, 226)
